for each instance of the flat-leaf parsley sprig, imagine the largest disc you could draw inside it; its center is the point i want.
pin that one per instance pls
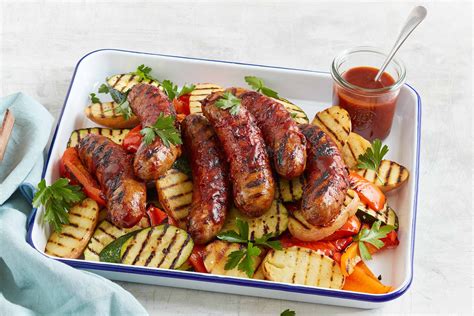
(57, 199)
(244, 259)
(144, 73)
(372, 236)
(373, 156)
(230, 102)
(172, 90)
(258, 84)
(165, 129)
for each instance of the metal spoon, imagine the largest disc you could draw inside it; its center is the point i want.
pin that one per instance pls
(417, 15)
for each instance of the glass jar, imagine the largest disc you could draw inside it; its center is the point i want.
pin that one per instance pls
(370, 104)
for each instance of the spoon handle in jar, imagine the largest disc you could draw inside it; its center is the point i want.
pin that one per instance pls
(417, 15)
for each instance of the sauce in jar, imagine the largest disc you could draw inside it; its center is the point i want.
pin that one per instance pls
(371, 111)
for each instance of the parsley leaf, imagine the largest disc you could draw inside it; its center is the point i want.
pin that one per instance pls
(94, 99)
(288, 312)
(144, 73)
(121, 99)
(258, 85)
(104, 88)
(172, 91)
(372, 158)
(244, 259)
(164, 128)
(229, 101)
(372, 236)
(57, 199)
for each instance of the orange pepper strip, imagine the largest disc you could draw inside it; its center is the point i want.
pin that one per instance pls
(366, 269)
(350, 258)
(368, 192)
(360, 281)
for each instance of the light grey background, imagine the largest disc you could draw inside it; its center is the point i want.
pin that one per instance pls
(42, 41)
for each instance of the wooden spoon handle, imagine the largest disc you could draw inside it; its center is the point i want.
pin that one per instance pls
(5, 132)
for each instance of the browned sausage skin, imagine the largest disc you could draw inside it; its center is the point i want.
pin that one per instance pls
(148, 102)
(211, 188)
(286, 145)
(126, 197)
(326, 178)
(242, 141)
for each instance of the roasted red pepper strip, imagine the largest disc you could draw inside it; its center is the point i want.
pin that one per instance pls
(368, 192)
(73, 168)
(181, 104)
(132, 141)
(156, 215)
(328, 248)
(196, 259)
(350, 228)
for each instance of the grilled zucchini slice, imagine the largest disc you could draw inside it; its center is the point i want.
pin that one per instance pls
(297, 113)
(386, 215)
(302, 266)
(391, 175)
(124, 82)
(290, 190)
(116, 135)
(105, 114)
(73, 238)
(175, 194)
(216, 255)
(336, 122)
(163, 246)
(303, 230)
(355, 146)
(105, 234)
(274, 221)
(200, 92)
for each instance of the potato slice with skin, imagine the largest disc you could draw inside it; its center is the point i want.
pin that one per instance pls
(302, 266)
(289, 190)
(355, 146)
(274, 221)
(73, 238)
(216, 256)
(336, 122)
(106, 114)
(391, 175)
(302, 230)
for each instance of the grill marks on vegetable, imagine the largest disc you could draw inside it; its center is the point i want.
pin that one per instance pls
(162, 246)
(297, 114)
(125, 82)
(390, 175)
(116, 135)
(290, 190)
(200, 92)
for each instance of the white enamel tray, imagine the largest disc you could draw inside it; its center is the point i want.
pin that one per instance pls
(312, 91)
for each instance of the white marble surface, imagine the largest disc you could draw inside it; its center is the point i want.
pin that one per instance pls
(42, 41)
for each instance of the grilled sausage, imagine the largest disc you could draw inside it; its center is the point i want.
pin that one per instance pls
(242, 141)
(126, 197)
(148, 102)
(286, 145)
(211, 194)
(327, 178)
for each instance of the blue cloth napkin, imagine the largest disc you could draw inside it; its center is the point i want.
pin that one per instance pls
(31, 283)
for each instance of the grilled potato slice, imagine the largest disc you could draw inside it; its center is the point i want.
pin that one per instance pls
(302, 266)
(216, 256)
(106, 233)
(391, 175)
(163, 246)
(355, 146)
(199, 93)
(175, 193)
(274, 221)
(386, 215)
(297, 113)
(116, 135)
(290, 190)
(105, 114)
(336, 122)
(73, 238)
(125, 82)
(302, 230)
(258, 275)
